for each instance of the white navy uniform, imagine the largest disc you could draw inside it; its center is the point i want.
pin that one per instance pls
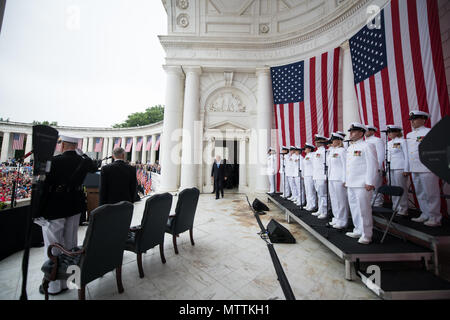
(310, 191)
(271, 171)
(284, 180)
(380, 149)
(399, 163)
(426, 184)
(320, 180)
(336, 183)
(291, 173)
(361, 170)
(299, 182)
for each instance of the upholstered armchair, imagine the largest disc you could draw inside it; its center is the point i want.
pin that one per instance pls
(102, 249)
(183, 220)
(152, 229)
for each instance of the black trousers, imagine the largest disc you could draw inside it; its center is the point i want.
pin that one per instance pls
(218, 187)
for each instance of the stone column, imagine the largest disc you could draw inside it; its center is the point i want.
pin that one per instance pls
(110, 146)
(170, 159)
(123, 142)
(29, 144)
(85, 143)
(152, 150)
(264, 125)
(105, 148)
(350, 108)
(191, 140)
(143, 150)
(90, 144)
(133, 150)
(5, 146)
(243, 163)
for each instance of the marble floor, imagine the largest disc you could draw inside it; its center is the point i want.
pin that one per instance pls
(228, 262)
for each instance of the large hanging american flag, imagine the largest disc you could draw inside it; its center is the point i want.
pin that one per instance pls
(305, 96)
(98, 145)
(129, 144)
(18, 141)
(149, 144)
(80, 144)
(139, 143)
(117, 143)
(157, 143)
(398, 65)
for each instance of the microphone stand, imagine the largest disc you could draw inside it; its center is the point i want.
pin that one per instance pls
(326, 179)
(284, 176)
(386, 159)
(300, 175)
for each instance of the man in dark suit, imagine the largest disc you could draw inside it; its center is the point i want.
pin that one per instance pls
(63, 200)
(218, 174)
(118, 180)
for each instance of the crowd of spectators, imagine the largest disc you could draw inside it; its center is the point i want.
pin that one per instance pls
(10, 173)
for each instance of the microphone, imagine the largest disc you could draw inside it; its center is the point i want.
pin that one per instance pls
(347, 140)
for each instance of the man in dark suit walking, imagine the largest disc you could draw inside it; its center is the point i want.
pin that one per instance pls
(218, 174)
(118, 180)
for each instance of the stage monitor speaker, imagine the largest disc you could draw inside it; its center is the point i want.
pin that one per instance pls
(434, 150)
(278, 233)
(259, 206)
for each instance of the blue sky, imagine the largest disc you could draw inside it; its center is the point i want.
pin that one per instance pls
(81, 62)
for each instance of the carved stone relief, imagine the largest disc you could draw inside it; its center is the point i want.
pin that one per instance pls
(226, 102)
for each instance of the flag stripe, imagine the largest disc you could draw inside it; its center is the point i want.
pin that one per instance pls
(324, 94)
(312, 96)
(373, 102)
(337, 54)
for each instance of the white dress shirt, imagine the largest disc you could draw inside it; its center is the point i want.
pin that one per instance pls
(319, 164)
(361, 164)
(308, 165)
(336, 164)
(398, 154)
(380, 149)
(413, 140)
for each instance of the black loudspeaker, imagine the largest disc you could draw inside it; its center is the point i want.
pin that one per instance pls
(278, 233)
(259, 206)
(434, 150)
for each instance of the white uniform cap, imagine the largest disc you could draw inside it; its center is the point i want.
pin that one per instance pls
(69, 139)
(418, 113)
(370, 127)
(337, 135)
(292, 148)
(357, 126)
(391, 127)
(320, 137)
(341, 133)
(309, 145)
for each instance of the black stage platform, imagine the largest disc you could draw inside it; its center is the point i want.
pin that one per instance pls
(416, 283)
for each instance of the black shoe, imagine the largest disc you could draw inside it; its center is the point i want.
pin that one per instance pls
(41, 291)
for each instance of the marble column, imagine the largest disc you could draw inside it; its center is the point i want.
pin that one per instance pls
(133, 150)
(85, 145)
(110, 146)
(91, 144)
(123, 142)
(191, 116)
(5, 146)
(170, 144)
(29, 144)
(350, 110)
(152, 150)
(264, 125)
(105, 147)
(243, 164)
(143, 150)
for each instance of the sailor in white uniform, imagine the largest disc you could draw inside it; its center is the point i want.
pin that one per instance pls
(426, 183)
(360, 177)
(319, 177)
(399, 164)
(271, 169)
(284, 154)
(381, 150)
(292, 172)
(336, 182)
(310, 191)
(299, 179)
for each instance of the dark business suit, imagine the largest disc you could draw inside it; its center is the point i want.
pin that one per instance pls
(118, 183)
(218, 173)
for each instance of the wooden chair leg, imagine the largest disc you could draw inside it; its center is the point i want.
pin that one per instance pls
(175, 244)
(119, 279)
(45, 284)
(82, 293)
(161, 252)
(139, 263)
(192, 236)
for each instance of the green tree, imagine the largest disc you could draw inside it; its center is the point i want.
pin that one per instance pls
(45, 123)
(137, 119)
(4, 120)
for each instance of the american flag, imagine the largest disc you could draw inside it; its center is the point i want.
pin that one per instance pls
(80, 144)
(117, 143)
(157, 143)
(399, 67)
(98, 145)
(139, 143)
(18, 141)
(305, 96)
(149, 144)
(129, 144)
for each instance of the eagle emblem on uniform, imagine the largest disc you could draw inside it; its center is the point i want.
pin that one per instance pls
(357, 153)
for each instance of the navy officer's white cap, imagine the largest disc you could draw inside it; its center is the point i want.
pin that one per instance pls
(309, 145)
(341, 133)
(292, 148)
(320, 137)
(370, 127)
(393, 127)
(337, 135)
(357, 126)
(69, 139)
(417, 113)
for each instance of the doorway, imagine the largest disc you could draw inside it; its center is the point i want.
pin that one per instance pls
(229, 152)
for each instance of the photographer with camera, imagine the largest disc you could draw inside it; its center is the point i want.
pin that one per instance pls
(64, 200)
